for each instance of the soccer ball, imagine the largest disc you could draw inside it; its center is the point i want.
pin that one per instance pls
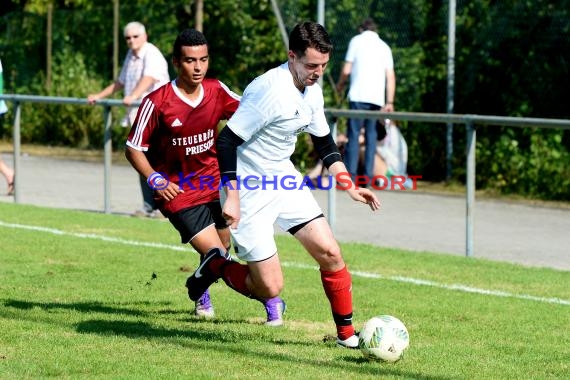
(383, 338)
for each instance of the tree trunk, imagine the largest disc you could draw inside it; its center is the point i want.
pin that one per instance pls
(199, 20)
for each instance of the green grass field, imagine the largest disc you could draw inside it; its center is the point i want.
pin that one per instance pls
(88, 295)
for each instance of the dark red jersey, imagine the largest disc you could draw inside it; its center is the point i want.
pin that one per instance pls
(179, 136)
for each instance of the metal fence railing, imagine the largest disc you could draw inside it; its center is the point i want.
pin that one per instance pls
(470, 121)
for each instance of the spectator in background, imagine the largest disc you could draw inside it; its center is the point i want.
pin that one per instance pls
(391, 151)
(144, 70)
(6, 171)
(370, 66)
(391, 158)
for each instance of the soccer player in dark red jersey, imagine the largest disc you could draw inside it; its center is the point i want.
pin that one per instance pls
(172, 144)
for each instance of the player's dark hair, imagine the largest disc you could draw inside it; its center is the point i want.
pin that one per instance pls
(309, 34)
(188, 37)
(367, 24)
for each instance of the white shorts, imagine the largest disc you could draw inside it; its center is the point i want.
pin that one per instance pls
(261, 209)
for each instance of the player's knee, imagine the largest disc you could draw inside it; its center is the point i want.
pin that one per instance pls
(329, 256)
(332, 251)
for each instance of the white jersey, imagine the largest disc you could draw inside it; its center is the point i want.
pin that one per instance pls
(370, 58)
(271, 114)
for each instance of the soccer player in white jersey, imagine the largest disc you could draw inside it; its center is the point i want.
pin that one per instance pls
(172, 144)
(257, 143)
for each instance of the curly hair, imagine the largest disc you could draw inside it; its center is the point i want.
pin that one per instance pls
(188, 37)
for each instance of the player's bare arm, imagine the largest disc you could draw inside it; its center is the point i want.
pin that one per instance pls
(231, 211)
(332, 159)
(139, 161)
(169, 192)
(359, 194)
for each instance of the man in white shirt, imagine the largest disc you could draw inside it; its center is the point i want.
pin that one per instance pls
(370, 66)
(255, 149)
(144, 70)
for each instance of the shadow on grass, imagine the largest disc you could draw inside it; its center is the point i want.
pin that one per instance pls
(231, 342)
(84, 307)
(224, 339)
(139, 329)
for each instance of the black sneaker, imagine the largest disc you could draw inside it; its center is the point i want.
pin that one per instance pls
(203, 277)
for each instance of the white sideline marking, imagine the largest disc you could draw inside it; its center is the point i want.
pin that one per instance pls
(99, 237)
(462, 288)
(410, 280)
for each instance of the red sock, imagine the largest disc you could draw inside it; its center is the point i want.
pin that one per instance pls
(234, 275)
(216, 265)
(338, 288)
